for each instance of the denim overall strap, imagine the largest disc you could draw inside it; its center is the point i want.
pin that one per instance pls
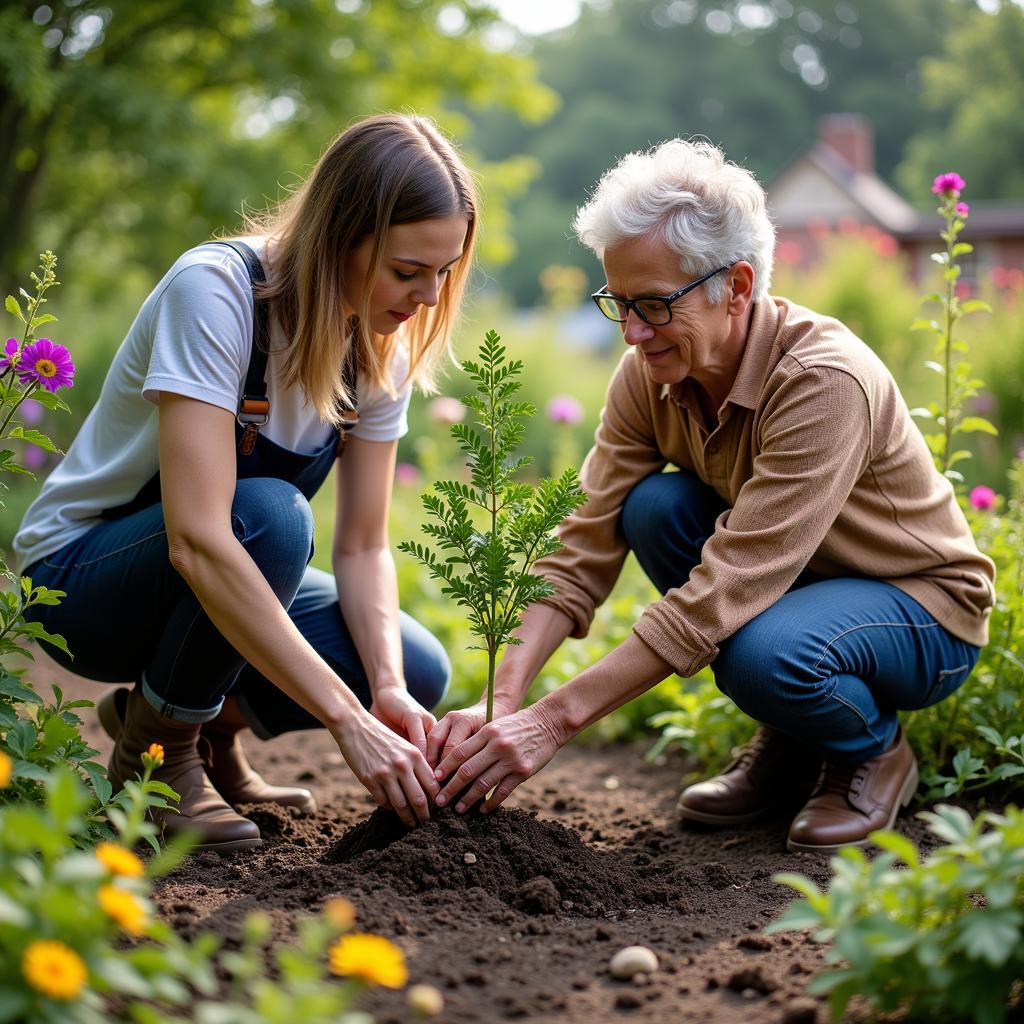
(254, 406)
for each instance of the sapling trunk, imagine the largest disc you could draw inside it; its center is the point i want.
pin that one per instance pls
(489, 572)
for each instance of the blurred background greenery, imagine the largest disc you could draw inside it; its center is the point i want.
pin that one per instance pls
(131, 130)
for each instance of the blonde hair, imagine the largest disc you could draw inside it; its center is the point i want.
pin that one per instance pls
(710, 212)
(383, 170)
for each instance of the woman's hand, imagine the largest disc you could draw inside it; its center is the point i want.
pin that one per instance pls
(499, 756)
(459, 725)
(401, 713)
(390, 767)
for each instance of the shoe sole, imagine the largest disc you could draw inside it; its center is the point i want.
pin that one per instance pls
(233, 847)
(906, 794)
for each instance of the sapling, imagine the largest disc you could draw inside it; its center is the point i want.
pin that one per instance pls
(488, 570)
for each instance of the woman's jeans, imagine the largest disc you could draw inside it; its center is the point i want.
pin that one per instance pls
(129, 615)
(832, 661)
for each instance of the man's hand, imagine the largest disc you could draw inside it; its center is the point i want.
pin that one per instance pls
(459, 725)
(499, 756)
(401, 713)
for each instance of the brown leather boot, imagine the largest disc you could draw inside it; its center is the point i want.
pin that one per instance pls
(849, 803)
(227, 767)
(769, 772)
(201, 808)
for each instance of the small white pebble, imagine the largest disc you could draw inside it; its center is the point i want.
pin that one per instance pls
(633, 960)
(611, 782)
(749, 993)
(469, 858)
(425, 1000)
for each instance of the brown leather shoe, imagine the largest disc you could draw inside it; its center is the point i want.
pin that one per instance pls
(769, 772)
(227, 767)
(201, 808)
(849, 803)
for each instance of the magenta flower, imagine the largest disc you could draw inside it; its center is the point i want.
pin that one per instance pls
(34, 458)
(962, 209)
(406, 474)
(46, 364)
(564, 409)
(982, 498)
(949, 184)
(10, 356)
(447, 410)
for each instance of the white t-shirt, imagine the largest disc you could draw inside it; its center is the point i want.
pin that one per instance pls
(192, 337)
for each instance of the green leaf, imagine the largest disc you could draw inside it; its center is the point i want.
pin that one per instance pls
(13, 307)
(43, 318)
(924, 323)
(990, 935)
(975, 306)
(975, 425)
(962, 249)
(36, 437)
(897, 844)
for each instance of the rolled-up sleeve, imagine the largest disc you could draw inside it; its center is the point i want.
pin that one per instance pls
(814, 444)
(624, 452)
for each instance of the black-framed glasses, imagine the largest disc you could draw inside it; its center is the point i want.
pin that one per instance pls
(655, 310)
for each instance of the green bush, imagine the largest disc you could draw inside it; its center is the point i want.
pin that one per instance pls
(938, 937)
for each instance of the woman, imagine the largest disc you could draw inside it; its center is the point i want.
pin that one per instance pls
(179, 522)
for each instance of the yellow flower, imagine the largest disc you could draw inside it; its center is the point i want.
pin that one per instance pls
(154, 756)
(53, 969)
(124, 907)
(119, 861)
(340, 912)
(5, 770)
(371, 958)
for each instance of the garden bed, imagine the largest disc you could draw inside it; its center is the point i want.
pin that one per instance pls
(516, 915)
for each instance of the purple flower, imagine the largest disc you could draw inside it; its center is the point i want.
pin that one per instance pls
(10, 356)
(564, 409)
(447, 410)
(47, 364)
(962, 209)
(31, 412)
(406, 473)
(948, 184)
(982, 498)
(34, 457)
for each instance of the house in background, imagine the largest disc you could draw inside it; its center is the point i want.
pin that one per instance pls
(833, 187)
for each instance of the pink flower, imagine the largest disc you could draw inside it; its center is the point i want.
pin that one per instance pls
(886, 245)
(949, 184)
(789, 252)
(10, 356)
(46, 364)
(982, 498)
(406, 474)
(962, 209)
(963, 290)
(564, 409)
(447, 410)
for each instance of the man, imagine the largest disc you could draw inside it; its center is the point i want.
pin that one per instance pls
(806, 547)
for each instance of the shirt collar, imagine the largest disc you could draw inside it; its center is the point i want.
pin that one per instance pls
(758, 357)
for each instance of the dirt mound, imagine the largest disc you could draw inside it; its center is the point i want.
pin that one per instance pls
(532, 865)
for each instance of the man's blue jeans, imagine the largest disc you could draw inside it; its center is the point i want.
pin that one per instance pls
(129, 616)
(832, 661)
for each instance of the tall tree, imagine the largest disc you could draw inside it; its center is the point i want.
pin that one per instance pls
(751, 75)
(971, 86)
(133, 127)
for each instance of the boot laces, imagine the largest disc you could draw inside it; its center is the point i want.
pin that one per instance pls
(842, 780)
(751, 758)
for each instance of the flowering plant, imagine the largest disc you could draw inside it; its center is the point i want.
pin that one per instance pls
(518, 520)
(958, 383)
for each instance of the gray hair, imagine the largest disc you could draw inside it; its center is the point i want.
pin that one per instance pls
(709, 211)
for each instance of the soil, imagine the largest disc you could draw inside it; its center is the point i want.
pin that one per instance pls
(515, 915)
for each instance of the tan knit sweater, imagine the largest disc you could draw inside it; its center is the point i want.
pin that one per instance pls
(822, 467)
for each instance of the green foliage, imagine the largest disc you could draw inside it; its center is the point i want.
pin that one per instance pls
(169, 118)
(984, 721)
(965, 82)
(959, 383)
(938, 937)
(704, 722)
(487, 571)
(86, 902)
